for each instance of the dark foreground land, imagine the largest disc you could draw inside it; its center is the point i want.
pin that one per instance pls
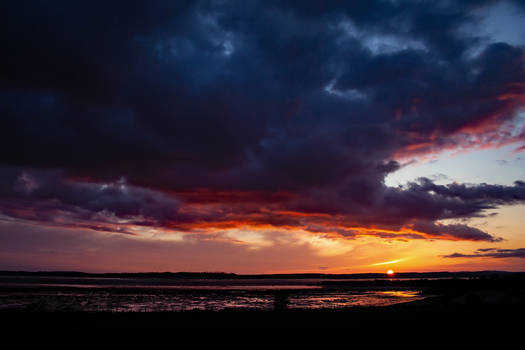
(433, 312)
(435, 322)
(487, 307)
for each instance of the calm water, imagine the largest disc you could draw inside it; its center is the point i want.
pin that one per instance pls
(147, 295)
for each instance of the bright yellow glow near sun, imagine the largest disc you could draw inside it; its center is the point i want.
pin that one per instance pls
(390, 272)
(388, 262)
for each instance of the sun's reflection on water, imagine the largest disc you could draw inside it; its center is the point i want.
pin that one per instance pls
(400, 293)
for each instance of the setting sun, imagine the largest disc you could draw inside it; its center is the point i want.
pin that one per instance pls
(390, 272)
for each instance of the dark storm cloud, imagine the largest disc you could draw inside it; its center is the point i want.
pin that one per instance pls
(46, 197)
(425, 201)
(481, 192)
(457, 231)
(491, 253)
(251, 109)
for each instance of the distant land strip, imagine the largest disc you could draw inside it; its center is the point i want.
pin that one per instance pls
(225, 275)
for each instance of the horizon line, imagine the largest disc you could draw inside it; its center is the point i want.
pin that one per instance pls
(256, 274)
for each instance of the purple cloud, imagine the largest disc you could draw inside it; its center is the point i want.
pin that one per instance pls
(491, 253)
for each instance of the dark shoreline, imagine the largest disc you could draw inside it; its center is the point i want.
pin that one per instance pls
(475, 307)
(431, 313)
(439, 320)
(490, 303)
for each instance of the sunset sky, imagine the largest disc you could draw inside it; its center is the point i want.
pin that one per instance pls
(262, 136)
